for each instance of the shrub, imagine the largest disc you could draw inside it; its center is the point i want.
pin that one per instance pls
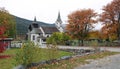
(2, 43)
(26, 54)
(58, 38)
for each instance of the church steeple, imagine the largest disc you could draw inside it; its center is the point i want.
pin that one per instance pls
(35, 19)
(59, 18)
(58, 23)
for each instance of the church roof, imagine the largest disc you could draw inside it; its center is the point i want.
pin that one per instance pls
(34, 27)
(50, 30)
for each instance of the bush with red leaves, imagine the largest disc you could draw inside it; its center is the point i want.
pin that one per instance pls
(2, 44)
(4, 56)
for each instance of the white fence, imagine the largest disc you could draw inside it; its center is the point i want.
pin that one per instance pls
(16, 44)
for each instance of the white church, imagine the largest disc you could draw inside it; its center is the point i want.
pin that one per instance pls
(38, 34)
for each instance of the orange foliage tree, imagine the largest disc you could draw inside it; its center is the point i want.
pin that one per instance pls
(80, 23)
(94, 35)
(111, 18)
(108, 32)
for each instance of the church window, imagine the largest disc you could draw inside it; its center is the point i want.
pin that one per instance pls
(38, 40)
(33, 37)
(30, 28)
(47, 35)
(44, 40)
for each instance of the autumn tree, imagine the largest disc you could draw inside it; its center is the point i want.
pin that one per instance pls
(7, 20)
(107, 33)
(95, 34)
(111, 18)
(80, 23)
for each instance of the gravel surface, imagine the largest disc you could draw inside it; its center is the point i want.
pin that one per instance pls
(110, 62)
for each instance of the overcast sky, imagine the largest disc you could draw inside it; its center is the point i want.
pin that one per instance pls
(47, 10)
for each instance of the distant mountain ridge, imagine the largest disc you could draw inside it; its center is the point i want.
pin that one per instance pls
(22, 25)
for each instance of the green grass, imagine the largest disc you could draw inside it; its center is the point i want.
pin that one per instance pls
(44, 55)
(8, 62)
(70, 64)
(65, 64)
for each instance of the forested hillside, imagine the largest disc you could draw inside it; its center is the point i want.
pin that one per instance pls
(22, 25)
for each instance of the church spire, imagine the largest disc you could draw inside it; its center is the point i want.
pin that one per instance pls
(59, 18)
(58, 23)
(35, 19)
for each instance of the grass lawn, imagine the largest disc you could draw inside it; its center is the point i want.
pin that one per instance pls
(65, 64)
(7, 63)
(70, 64)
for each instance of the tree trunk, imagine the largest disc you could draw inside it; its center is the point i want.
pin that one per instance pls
(79, 42)
(119, 26)
(82, 43)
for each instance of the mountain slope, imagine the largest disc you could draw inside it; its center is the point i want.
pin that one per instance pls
(22, 25)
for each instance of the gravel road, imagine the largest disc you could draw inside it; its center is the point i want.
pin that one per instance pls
(110, 62)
